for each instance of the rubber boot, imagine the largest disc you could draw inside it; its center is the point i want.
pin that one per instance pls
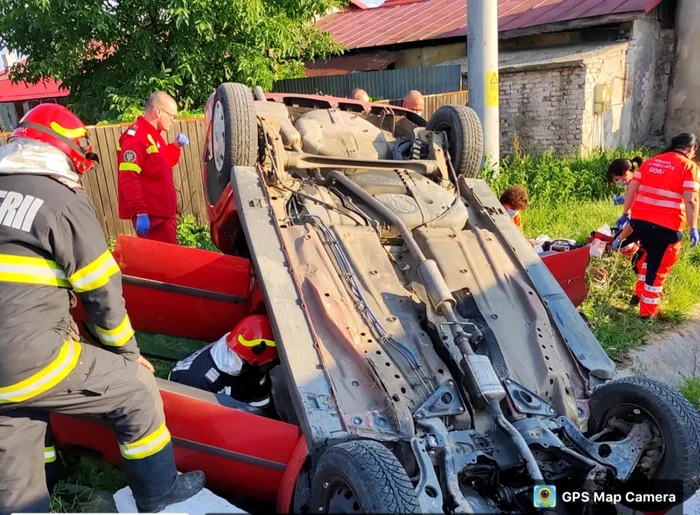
(185, 486)
(155, 483)
(55, 472)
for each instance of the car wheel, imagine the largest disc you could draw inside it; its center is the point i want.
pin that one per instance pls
(671, 462)
(464, 135)
(361, 477)
(234, 131)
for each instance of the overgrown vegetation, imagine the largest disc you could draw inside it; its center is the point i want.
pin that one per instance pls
(191, 234)
(112, 55)
(569, 198)
(133, 114)
(690, 388)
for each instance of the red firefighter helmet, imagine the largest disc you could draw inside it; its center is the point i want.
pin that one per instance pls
(252, 340)
(56, 125)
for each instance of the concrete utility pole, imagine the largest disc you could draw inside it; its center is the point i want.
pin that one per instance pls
(482, 73)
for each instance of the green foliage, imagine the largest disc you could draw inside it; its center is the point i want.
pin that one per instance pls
(112, 55)
(690, 388)
(554, 180)
(191, 234)
(133, 114)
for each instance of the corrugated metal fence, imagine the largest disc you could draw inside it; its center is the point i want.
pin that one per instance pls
(101, 183)
(383, 84)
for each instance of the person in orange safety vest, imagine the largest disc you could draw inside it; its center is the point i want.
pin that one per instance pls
(514, 200)
(663, 198)
(146, 190)
(621, 172)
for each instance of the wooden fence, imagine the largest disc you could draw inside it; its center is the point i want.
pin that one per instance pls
(101, 183)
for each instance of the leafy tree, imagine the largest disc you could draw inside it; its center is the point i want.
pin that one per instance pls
(113, 53)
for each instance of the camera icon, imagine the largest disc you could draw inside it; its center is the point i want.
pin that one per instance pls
(544, 496)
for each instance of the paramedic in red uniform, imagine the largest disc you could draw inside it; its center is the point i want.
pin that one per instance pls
(147, 194)
(662, 196)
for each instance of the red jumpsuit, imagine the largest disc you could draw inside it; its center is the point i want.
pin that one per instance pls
(145, 180)
(658, 217)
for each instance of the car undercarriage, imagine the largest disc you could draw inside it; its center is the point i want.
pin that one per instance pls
(414, 317)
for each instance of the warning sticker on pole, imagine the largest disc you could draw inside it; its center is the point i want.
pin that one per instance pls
(492, 89)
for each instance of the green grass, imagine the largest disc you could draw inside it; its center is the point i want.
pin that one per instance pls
(167, 346)
(92, 475)
(690, 388)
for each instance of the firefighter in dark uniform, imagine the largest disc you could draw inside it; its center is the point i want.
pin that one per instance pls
(52, 247)
(236, 365)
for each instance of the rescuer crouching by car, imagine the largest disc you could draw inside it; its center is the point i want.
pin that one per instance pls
(235, 365)
(663, 198)
(146, 192)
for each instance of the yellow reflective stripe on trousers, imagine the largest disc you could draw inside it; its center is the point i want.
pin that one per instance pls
(94, 275)
(44, 379)
(31, 270)
(129, 167)
(146, 446)
(118, 336)
(49, 454)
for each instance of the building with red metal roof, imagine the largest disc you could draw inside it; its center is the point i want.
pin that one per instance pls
(382, 38)
(407, 21)
(16, 98)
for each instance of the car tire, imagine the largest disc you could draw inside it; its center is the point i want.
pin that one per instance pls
(678, 424)
(464, 135)
(234, 133)
(361, 476)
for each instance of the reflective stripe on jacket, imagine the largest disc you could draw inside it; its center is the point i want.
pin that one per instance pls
(662, 181)
(145, 173)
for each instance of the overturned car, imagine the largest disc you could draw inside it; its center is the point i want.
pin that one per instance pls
(432, 361)
(426, 359)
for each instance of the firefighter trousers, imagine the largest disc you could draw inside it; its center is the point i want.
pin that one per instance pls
(661, 249)
(121, 393)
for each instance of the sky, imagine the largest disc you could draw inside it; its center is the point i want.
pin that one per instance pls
(373, 3)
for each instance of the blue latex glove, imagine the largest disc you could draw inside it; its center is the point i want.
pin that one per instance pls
(616, 244)
(622, 221)
(694, 237)
(182, 140)
(619, 200)
(143, 224)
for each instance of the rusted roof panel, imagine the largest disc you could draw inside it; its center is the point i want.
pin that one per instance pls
(404, 21)
(349, 63)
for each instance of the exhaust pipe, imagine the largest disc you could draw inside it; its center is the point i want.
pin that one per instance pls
(483, 382)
